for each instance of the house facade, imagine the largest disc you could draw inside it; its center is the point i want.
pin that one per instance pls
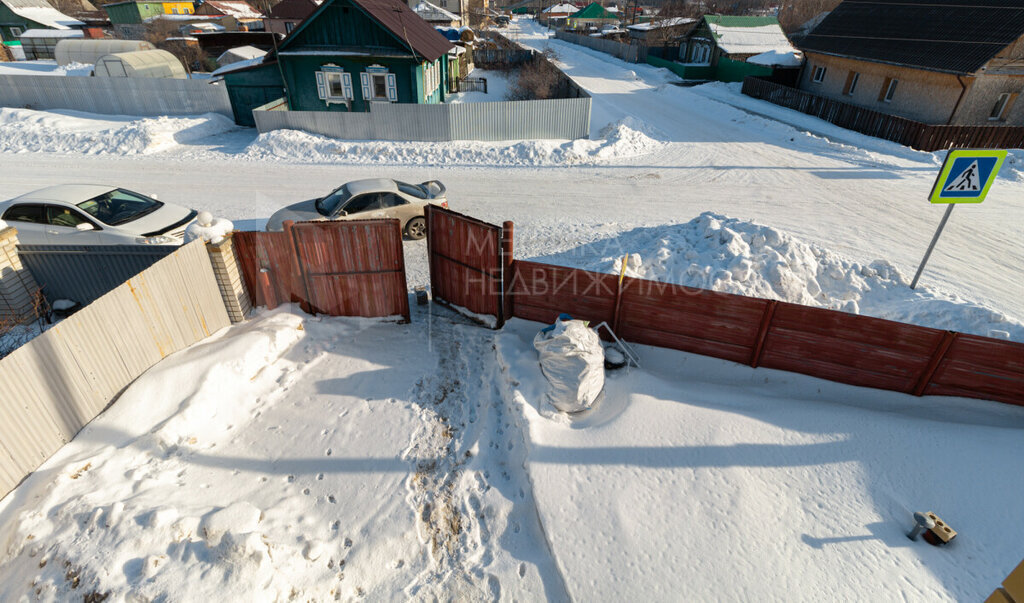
(244, 16)
(286, 15)
(19, 16)
(718, 46)
(925, 65)
(591, 16)
(352, 53)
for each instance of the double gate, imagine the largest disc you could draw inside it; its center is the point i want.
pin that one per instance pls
(352, 268)
(470, 264)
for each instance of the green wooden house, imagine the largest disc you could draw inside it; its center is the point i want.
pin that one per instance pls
(719, 46)
(137, 11)
(19, 16)
(351, 53)
(593, 15)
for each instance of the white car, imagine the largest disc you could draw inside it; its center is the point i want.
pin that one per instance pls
(91, 214)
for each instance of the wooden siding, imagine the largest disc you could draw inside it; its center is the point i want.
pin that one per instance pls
(58, 382)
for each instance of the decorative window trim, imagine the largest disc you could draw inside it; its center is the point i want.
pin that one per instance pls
(390, 83)
(324, 78)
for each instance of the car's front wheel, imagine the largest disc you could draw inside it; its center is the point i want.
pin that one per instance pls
(416, 228)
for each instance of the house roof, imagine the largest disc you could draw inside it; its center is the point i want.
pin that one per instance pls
(651, 25)
(593, 11)
(561, 8)
(939, 35)
(41, 12)
(430, 12)
(239, 9)
(400, 20)
(748, 35)
(293, 9)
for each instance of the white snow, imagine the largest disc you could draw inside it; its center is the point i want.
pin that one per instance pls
(46, 15)
(24, 130)
(497, 87)
(293, 457)
(778, 58)
(209, 229)
(652, 25)
(45, 67)
(750, 40)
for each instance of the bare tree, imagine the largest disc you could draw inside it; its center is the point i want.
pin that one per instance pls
(191, 55)
(794, 13)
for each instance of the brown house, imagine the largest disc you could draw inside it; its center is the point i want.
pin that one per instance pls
(933, 62)
(287, 14)
(245, 16)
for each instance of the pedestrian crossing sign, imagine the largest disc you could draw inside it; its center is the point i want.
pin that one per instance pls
(966, 175)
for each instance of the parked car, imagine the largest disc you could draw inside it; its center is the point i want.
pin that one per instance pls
(92, 214)
(372, 198)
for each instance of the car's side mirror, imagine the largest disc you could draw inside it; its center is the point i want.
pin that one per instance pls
(84, 226)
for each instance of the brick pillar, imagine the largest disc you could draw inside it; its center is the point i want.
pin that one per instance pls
(229, 279)
(17, 286)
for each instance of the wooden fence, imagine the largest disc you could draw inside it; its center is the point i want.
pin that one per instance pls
(350, 268)
(59, 381)
(470, 262)
(921, 136)
(833, 345)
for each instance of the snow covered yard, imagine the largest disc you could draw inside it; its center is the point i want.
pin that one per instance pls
(316, 459)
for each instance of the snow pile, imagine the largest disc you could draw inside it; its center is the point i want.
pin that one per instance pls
(715, 252)
(778, 58)
(209, 229)
(23, 130)
(626, 138)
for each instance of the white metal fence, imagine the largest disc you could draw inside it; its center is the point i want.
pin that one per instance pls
(115, 96)
(564, 118)
(59, 381)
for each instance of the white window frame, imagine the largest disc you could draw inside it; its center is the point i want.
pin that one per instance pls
(366, 79)
(324, 77)
(17, 31)
(289, 26)
(999, 109)
(818, 75)
(853, 83)
(890, 92)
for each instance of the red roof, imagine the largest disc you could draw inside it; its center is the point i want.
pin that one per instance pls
(406, 25)
(293, 9)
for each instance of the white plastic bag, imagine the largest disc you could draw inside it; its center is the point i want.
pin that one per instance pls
(572, 359)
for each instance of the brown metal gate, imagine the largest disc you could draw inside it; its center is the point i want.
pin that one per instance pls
(352, 268)
(470, 263)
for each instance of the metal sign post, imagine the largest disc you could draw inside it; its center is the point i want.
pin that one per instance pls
(965, 177)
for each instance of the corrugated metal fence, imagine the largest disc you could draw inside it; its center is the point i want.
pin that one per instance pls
(348, 268)
(115, 96)
(470, 262)
(564, 118)
(59, 381)
(84, 273)
(630, 53)
(921, 136)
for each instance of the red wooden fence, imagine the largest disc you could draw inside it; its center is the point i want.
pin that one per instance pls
(350, 268)
(832, 345)
(470, 262)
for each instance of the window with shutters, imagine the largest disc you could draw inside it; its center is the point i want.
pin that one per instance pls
(378, 84)
(334, 85)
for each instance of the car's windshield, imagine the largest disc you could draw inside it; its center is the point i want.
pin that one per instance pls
(119, 206)
(327, 206)
(414, 190)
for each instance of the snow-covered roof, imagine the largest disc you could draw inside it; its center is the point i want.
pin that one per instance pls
(778, 58)
(750, 40)
(52, 33)
(561, 8)
(238, 9)
(182, 18)
(241, 53)
(236, 66)
(430, 12)
(42, 13)
(673, 22)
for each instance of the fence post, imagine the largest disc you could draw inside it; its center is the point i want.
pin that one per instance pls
(18, 288)
(297, 268)
(933, 365)
(236, 297)
(507, 230)
(762, 332)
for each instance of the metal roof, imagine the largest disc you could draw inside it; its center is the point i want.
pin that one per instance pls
(406, 25)
(954, 36)
(293, 9)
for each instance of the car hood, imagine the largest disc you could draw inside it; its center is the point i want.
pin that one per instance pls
(158, 222)
(304, 211)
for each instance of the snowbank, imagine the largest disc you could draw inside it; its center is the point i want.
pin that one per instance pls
(778, 58)
(24, 130)
(727, 254)
(626, 138)
(209, 229)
